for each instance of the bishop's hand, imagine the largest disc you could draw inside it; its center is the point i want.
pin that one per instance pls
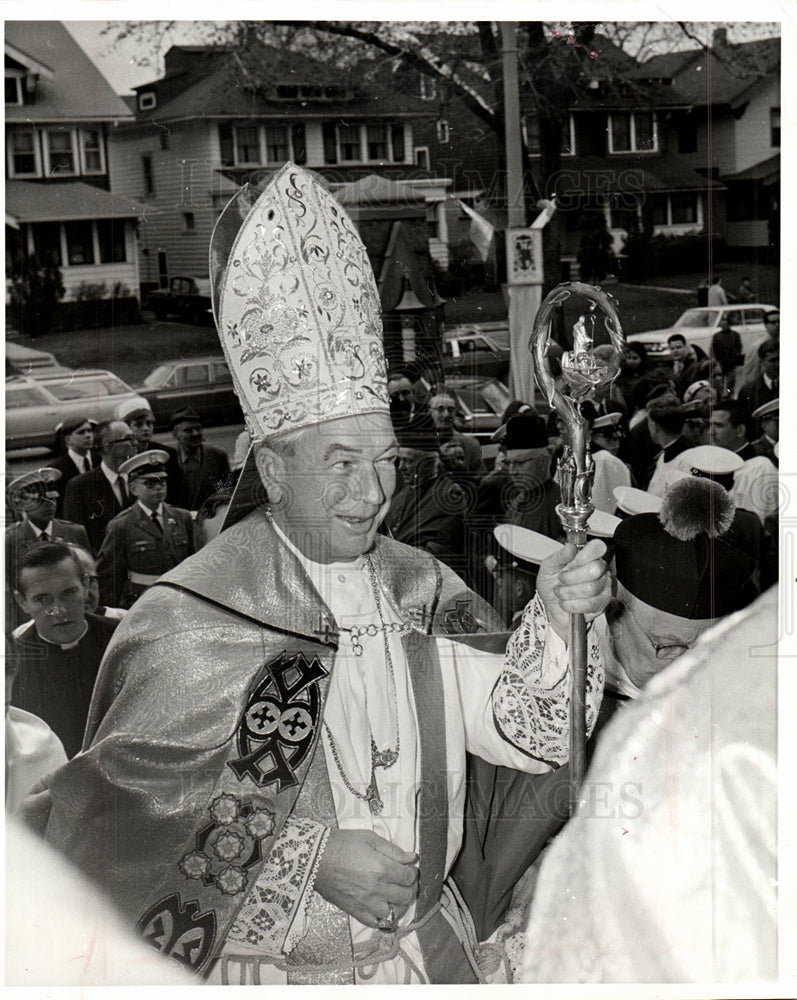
(363, 874)
(571, 582)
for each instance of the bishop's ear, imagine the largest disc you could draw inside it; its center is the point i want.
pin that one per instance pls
(271, 468)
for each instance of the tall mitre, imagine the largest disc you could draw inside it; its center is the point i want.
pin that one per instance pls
(296, 307)
(297, 312)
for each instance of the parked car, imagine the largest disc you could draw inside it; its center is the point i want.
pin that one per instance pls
(474, 353)
(203, 383)
(700, 324)
(187, 297)
(21, 360)
(36, 403)
(481, 401)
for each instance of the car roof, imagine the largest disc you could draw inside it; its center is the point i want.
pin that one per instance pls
(50, 375)
(204, 359)
(734, 305)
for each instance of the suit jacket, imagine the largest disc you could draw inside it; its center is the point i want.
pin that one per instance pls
(756, 392)
(21, 536)
(132, 543)
(213, 472)
(90, 501)
(68, 471)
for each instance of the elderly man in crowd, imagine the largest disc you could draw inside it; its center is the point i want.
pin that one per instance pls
(33, 497)
(533, 496)
(197, 470)
(272, 786)
(443, 408)
(429, 509)
(94, 498)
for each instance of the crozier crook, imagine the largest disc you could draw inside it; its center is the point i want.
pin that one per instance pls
(584, 375)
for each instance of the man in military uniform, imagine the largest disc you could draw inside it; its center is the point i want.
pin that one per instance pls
(33, 498)
(147, 539)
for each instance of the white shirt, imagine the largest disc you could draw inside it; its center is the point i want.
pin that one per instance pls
(79, 460)
(40, 531)
(113, 478)
(158, 510)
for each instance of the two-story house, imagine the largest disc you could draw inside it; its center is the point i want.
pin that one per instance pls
(206, 126)
(59, 115)
(688, 140)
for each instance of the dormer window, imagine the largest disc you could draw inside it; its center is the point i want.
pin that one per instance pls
(428, 88)
(147, 100)
(14, 89)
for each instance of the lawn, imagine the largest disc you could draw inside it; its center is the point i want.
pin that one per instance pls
(128, 351)
(132, 351)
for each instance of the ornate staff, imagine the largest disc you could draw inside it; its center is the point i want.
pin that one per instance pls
(583, 374)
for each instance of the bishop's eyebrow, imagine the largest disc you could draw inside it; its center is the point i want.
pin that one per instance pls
(332, 448)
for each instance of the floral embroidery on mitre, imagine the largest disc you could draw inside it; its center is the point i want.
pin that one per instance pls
(299, 313)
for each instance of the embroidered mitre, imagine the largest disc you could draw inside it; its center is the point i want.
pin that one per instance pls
(296, 307)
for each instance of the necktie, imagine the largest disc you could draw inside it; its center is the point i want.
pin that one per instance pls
(155, 520)
(123, 494)
(44, 536)
(86, 464)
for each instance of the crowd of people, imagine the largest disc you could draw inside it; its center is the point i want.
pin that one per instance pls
(303, 715)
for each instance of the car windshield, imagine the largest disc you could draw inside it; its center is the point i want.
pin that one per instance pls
(88, 388)
(157, 376)
(698, 318)
(487, 397)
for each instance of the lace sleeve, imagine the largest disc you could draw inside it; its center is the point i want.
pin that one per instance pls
(272, 917)
(531, 700)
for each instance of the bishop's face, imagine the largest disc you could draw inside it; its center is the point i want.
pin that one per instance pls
(332, 487)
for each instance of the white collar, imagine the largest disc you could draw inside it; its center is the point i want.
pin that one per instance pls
(40, 531)
(148, 512)
(65, 645)
(78, 459)
(110, 475)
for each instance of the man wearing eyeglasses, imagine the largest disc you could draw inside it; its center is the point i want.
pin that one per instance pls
(94, 498)
(534, 495)
(146, 540)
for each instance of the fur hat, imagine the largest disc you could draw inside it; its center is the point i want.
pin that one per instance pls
(676, 560)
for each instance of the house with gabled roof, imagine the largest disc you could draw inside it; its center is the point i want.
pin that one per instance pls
(60, 113)
(687, 141)
(206, 126)
(731, 93)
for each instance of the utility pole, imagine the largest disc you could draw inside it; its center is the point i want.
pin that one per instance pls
(523, 245)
